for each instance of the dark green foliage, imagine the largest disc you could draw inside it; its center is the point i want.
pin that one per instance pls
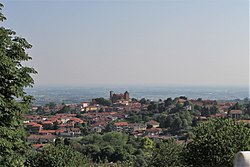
(143, 101)
(102, 101)
(167, 154)
(140, 161)
(136, 117)
(56, 156)
(168, 102)
(51, 105)
(216, 142)
(161, 107)
(247, 108)
(181, 120)
(40, 110)
(14, 77)
(153, 106)
(111, 147)
(207, 111)
(65, 110)
(169, 121)
(110, 127)
(177, 124)
(237, 106)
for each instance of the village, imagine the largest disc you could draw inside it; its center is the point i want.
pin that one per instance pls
(170, 118)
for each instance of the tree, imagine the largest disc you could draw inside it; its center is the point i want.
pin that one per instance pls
(51, 105)
(102, 101)
(14, 102)
(216, 142)
(143, 101)
(55, 156)
(169, 121)
(177, 124)
(140, 161)
(168, 102)
(167, 154)
(147, 143)
(65, 109)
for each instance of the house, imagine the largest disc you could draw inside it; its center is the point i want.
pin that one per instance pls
(218, 115)
(41, 138)
(34, 128)
(153, 123)
(137, 127)
(69, 132)
(90, 108)
(153, 131)
(98, 127)
(78, 121)
(235, 114)
(121, 126)
(47, 132)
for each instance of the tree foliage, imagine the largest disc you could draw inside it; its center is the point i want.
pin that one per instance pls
(167, 154)
(216, 142)
(14, 77)
(102, 101)
(56, 156)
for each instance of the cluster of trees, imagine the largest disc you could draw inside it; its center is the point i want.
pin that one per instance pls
(207, 111)
(55, 155)
(111, 147)
(135, 117)
(177, 121)
(102, 101)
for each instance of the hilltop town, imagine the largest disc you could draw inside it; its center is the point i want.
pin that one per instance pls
(162, 119)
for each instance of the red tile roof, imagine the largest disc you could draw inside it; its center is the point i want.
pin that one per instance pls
(42, 136)
(34, 124)
(235, 112)
(47, 131)
(47, 122)
(121, 124)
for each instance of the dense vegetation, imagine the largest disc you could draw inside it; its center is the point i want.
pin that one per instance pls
(14, 77)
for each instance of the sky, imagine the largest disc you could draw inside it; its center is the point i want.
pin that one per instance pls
(151, 42)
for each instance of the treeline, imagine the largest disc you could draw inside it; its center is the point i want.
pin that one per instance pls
(214, 143)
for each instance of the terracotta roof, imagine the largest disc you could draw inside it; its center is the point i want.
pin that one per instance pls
(154, 130)
(34, 124)
(235, 112)
(62, 125)
(75, 129)
(60, 130)
(121, 124)
(42, 136)
(47, 122)
(47, 131)
(76, 120)
(71, 115)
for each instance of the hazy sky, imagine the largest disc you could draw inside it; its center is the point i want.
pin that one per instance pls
(193, 42)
